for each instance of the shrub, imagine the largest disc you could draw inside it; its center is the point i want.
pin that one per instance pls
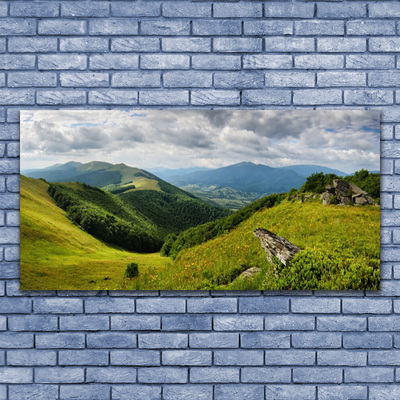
(132, 270)
(333, 200)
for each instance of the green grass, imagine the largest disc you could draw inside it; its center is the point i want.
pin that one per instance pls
(340, 250)
(56, 254)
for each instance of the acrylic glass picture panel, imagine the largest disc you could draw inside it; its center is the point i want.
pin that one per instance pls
(200, 199)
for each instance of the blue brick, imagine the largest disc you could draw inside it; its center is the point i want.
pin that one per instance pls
(3, 9)
(164, 61)
(384, 10)
(61, 27)
(383, 78)
(367, 341)
(342, 78)
(386, 323)
(61, 61)
(37, 392)
(214, 340)
(267, 61)
(84, 79)
(135, 44)
(31, 357)
(84, 323)
(3, 322)
(386, 234)
(113, 97)
(238, 357)
(215, 62)
(111, 340)
(11, 132)
(290, 357)
(162, 375)
(341, 11)
(370, 61)
(194, 45)
(9, 167)
(165, 28)
(320, 340)
(370, 375)
(319, 61)
(236, 392)
(32, 45)
(386, 132)
(344, 392)
(16, 340)
(365, 27)
(16, 375)
(325, 28)
(15, 305)
(10, 270)
(232, 10)
(186, 357)
(137, 9)
(163, 340)
(367, 306)
(113, 61)
(65, 97)
(212, 305)
(290, 392)
(215, 97)
(387, 44)
(135, 357)
(17, 26)
(368, 97)
(289, 79)
(186, 10)
(317, 375)
(14, 61)
(34, 9)
(382, 392)
(113, 27)
(187, 323)
(186, 79)
(136, 392)
(288, 10)
(32, 79)
(237, 45)
(239, 80)
(83, 357)
(214, 375)
(179, 98)
(391, 149)
(179, 392)
(384, 357)
(265, 340)
(240, 323)
(288, 44)
(32, 323)
(13, 183)
(106, 305)
(85, 9)
(59, 375)
(342, 358)
(84, 44)
(135, 322)
(341, 323)
(264, 305)
(267, 97)
(266, 375)
(312, 97)
(98, 392)
(341, 45)
(217, 27)
(289, 323)
(110, 375)
(268, 28)
(8, 201)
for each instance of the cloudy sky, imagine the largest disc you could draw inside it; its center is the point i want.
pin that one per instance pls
(342, 139)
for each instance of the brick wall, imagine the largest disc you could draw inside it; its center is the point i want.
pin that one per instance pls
(199, 345)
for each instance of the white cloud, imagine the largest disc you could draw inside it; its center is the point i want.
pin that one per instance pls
(342, 139)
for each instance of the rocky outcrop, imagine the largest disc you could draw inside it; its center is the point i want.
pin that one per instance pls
(276, 246)
(344, 193)
(249, 273)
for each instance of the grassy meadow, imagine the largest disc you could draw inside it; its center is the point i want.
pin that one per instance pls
(340, 250)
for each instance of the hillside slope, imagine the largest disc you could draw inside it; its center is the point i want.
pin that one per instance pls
(56, 254)
(340, 250)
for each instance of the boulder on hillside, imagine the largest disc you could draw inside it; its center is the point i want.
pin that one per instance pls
(346, 192)
(276, 246)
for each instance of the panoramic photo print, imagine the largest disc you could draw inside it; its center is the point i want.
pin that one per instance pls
(200, 199)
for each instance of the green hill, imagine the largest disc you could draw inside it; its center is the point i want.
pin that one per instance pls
(340, 251)
(57, 254)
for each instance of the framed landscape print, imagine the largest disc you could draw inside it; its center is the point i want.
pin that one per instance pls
(200, 199)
